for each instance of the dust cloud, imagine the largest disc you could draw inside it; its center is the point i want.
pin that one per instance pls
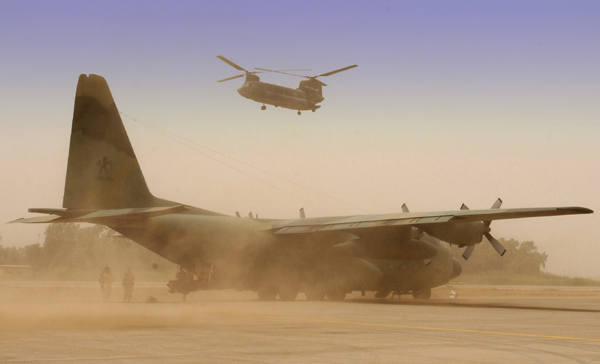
(31, 306)
(28, 306)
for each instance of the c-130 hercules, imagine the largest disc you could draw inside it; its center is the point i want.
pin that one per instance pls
(322, 257)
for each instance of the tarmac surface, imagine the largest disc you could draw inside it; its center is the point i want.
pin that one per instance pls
(67, 322)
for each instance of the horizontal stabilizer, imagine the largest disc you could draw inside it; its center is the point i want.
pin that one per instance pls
(134, 213)
(38, 220)
(94, 216)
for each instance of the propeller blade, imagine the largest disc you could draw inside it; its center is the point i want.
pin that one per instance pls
(497, 204)
(231, 63)
(302, 215)
(231, 78)
(337, 71)
(467, 253)
(464, 207)
(404, 208)
(496, 244)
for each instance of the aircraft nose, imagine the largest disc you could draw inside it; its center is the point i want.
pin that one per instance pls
(456, 268)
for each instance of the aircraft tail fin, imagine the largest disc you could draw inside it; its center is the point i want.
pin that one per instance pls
(102, 170)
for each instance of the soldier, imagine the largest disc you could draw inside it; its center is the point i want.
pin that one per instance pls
(106, 279)
(182, 281)
(128, 282)
(203, 271)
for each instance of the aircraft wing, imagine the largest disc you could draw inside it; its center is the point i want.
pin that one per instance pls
(95, 216)
(348, 223)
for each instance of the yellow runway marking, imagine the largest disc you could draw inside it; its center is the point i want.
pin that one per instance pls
(500, 333)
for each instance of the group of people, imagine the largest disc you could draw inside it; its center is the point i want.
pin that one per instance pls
(107, 278)
(184, 281)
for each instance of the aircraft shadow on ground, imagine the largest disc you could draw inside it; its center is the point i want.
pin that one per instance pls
(458, 303)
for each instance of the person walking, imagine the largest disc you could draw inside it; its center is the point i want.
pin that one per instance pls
(106, 279)
(128, 282)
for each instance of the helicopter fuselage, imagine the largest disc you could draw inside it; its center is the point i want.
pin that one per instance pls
(280, 96)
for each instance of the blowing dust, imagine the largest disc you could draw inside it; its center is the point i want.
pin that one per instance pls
(31, 305)
(67, 305)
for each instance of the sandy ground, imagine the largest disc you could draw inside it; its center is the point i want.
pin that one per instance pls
(68, 322)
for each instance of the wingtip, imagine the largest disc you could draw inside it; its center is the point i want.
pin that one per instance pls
(581, 210)
(578, 210)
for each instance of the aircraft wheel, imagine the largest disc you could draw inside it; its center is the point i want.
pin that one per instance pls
(383, 293)
(315, 293)
(299, 112)
(288, 292)
(424, 294)
(336, 294)
(267, 294)
(263, 107)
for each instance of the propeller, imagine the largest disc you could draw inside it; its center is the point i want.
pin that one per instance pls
(495, 243)
(237, 67)
(310, 77)
(405, 208)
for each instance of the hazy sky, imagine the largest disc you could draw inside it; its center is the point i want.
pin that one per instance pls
(452, 102)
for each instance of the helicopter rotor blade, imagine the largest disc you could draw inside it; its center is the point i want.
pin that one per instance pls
(336, 71)
(285, 73)
(313, 77)
(231, 78)
(231, 63)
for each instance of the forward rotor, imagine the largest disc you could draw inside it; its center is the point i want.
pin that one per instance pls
(246, 72)
(309, 77)
(237, 67)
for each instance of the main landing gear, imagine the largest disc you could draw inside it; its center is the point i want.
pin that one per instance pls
(299, 112)
(288, 289)
(264, 107)
(424, 294)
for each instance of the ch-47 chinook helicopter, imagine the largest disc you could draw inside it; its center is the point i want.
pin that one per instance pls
(306, 97)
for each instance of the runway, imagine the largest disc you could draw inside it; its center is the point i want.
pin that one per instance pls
(66, 322)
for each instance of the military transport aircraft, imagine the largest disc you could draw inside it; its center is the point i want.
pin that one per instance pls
(323, 257)
(305, 97)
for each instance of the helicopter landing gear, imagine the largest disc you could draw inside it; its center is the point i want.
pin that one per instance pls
(263, 107)
(299, 112)
(313, 110)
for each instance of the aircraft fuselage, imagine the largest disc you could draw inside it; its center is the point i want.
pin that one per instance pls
(247, 257)
(280, 96)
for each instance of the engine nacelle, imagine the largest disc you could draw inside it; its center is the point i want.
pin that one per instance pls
(466, 233)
